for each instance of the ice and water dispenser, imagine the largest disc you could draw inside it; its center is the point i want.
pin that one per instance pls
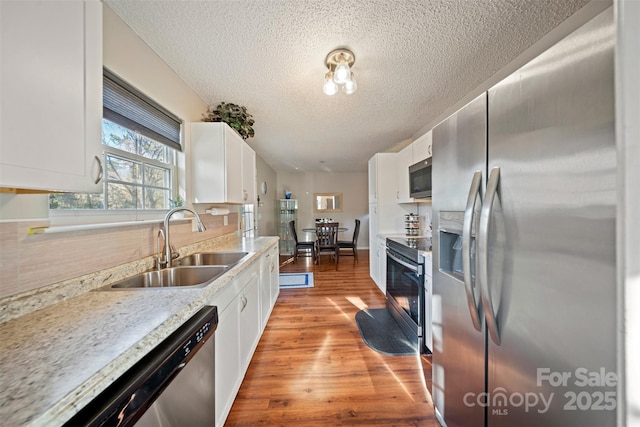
(450, 244)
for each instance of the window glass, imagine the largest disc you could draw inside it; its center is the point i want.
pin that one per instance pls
(139, 174)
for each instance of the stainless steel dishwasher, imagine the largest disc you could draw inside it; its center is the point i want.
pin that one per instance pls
(173, 385)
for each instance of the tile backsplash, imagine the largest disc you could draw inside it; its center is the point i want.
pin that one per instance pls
(28, 262)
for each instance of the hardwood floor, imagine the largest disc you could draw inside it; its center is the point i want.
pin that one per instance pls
(311, 367)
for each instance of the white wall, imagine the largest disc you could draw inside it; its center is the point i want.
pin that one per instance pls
(354, 189)
(266, 209)
(132, 59)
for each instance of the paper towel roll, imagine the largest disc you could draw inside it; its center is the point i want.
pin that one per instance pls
(217, 211)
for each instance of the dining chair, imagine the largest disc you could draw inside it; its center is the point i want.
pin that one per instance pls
(352, 244)
(305, 247)
(327, 241)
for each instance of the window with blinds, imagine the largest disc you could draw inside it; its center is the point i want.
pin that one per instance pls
(140, 140)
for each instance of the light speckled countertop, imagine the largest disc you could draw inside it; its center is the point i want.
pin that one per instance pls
(55, 360)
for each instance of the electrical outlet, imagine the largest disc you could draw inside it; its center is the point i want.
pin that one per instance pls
(226, 220)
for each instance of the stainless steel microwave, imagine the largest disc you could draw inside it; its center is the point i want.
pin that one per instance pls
(420, 179)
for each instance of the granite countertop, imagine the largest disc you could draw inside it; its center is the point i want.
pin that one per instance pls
(55, 360)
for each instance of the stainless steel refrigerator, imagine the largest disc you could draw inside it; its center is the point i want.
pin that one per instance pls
(524, 198)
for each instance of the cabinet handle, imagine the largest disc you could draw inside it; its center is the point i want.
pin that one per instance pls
(244, 301)
(245, 195)
(100, 170)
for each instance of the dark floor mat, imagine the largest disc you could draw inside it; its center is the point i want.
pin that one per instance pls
(381, 332)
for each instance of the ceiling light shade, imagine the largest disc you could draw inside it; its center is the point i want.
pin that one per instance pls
(330, 87)
(339, 63)
(342, 72)
(350, 85)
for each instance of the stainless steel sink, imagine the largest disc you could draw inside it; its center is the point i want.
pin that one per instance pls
(182, 277)
(213, 258)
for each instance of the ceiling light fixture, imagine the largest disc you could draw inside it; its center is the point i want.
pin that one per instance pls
(339, 63)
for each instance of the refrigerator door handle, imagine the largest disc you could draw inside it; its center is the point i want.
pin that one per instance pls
(483, 254)
(467, 226)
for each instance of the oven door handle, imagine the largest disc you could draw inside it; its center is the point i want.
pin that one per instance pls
(415, 268)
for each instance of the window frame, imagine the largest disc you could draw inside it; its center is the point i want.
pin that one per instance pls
(174, 152)
(171, 166)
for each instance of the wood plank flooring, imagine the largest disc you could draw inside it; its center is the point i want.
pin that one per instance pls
(311, 367)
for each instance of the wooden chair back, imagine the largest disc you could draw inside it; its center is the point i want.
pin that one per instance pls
(327, 235)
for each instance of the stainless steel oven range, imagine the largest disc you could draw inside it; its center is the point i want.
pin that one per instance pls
(405, 285)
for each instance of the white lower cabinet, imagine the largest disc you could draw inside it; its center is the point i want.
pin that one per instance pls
(428, 317)
(244, 306)
(228, 377)
(382, 265)
(250, 330)
(274, 271)
(269, 283)
(236, 337)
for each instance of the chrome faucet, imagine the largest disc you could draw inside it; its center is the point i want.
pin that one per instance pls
(168, 256)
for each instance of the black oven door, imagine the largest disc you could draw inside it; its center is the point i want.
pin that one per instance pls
(405, 292)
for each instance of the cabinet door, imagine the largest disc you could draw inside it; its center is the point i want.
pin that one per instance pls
(269, 283)
(373, 242)
(373, 179)
(274, 271)
(249, 306)
(51, 85)
(428, 318)
(265, 288)
(216, 162)
(248, 174)
(422, 147)
(233, 165)
(387, 178)
(404, 160)
(382, 265)
(228, 368)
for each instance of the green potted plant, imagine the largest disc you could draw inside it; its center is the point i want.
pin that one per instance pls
(235, 116)
(177, 202)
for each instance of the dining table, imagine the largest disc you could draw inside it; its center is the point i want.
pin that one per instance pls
(313, 230)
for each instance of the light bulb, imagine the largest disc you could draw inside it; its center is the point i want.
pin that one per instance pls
(330, 87)
(342, 72)
(350, 85)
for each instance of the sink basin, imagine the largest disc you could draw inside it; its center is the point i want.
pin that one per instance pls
(213, 258)
(183, 277)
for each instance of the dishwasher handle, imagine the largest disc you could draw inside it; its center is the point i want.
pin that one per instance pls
(127, 399)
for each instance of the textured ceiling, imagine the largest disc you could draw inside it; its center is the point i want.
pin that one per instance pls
(414, 59)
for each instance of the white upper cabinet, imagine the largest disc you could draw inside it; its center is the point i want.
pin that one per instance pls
(248, 174)
(404, 160)
(422, 147)
(51, 103)
(216, 164)
(383, 185)
(373, 180)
